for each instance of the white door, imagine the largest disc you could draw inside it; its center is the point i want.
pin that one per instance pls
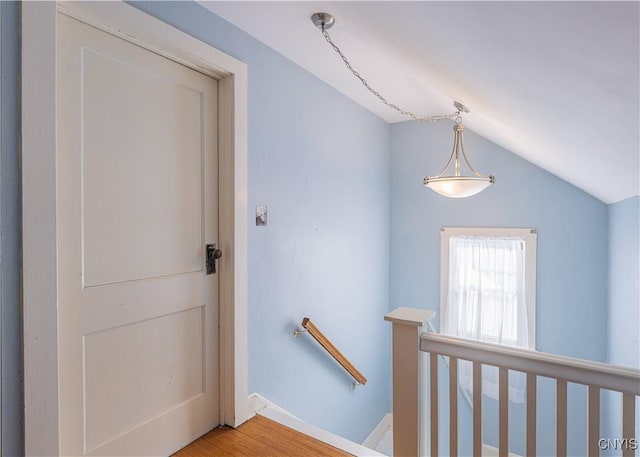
(137, 203)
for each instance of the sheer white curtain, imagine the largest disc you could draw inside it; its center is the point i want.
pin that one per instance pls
(486, 302)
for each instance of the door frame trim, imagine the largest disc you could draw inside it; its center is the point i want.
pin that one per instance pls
(1, 301)
(40, 300)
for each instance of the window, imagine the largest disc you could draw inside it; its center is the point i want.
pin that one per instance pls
(488, 293)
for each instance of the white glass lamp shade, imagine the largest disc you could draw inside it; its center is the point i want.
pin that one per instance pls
(458, 186)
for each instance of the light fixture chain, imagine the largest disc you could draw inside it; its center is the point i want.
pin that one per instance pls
(377, 94)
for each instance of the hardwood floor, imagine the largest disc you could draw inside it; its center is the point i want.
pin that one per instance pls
(259, 437)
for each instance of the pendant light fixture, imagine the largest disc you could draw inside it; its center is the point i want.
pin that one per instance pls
(454, 185)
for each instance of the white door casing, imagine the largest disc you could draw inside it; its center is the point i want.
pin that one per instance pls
(1, 306)
(46, 401)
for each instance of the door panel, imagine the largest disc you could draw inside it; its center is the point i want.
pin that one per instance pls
(137, 202)
(116, 404)
(127, 235)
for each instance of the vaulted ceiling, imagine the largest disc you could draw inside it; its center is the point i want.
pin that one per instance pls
(555, 82)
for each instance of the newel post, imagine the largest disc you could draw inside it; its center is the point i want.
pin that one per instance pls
(407, 325)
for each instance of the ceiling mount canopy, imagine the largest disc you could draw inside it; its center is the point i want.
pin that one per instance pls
(453, 185)
(323, 20)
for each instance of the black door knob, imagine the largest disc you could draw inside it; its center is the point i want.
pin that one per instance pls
(212, 254)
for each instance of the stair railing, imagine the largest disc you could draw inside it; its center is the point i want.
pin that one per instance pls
(409, 340)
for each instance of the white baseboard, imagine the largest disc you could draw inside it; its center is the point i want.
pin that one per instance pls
(490, 451)
(379, 431)
(258, 403)
(266, 408)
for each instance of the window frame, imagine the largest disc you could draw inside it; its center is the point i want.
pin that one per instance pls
(528, 235)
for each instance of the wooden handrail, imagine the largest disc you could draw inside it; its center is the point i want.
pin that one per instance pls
(333, 351)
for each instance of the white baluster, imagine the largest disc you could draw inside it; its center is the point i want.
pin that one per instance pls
(532, 392)
(503, 394)
(453, 407)
(477, 409)
(628, 422)
(561, 417)
(434, 403)
(593, 422)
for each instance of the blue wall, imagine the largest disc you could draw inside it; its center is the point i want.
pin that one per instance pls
(571, 263)
(321, 165)
(624, 301)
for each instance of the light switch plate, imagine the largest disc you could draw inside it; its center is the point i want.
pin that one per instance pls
(261, 215)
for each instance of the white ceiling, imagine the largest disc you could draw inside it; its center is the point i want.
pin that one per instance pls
(555, 82)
